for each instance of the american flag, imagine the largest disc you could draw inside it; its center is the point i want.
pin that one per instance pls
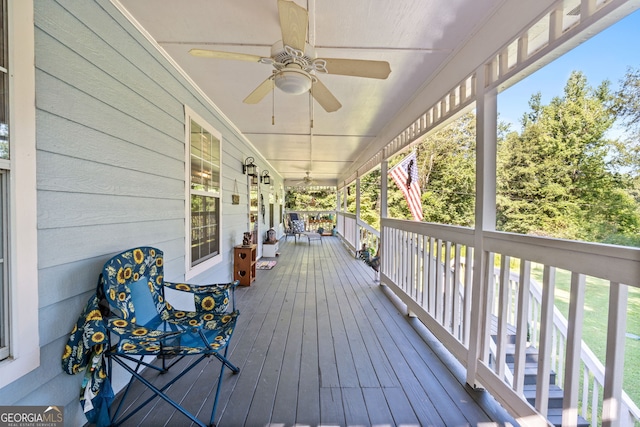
(405, 175)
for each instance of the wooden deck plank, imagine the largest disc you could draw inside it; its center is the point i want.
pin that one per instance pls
(286, 398)
(377, 406)
(355, 408)
(411, 362)
(308, 409)
(401, 409)
(331, 408)
(319, 343)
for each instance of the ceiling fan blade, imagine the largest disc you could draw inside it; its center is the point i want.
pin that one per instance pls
(358, 68)
(260, 92)
(324, 97)
(294, 20)
(204, 53)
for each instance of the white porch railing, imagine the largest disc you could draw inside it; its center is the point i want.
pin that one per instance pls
(313, 220)
(355, 232)
(414, 256)
(593, 371)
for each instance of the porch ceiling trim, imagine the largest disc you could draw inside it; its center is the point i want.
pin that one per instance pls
(509, 64)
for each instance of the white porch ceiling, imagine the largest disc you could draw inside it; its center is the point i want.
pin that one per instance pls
(416, 37)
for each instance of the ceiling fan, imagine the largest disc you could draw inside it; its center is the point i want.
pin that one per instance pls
(295, 63)
(304, 183)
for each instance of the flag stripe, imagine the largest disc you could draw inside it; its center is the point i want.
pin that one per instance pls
(410, 188)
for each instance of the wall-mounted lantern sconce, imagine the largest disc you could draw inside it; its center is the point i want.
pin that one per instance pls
(250, 168)
(254, 179)
(265, 178)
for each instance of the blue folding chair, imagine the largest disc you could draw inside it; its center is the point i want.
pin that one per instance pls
(142, 323)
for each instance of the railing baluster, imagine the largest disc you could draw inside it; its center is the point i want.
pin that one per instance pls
(594, 404)
(448, 287)
(586, 386)
(468, 288)
(426, 267)
(439, 282)
(574, 347)
(522, 325)
(456, 294)
(617, 325)
(546, 321)
(489, 279)
(503, 312)
(432, 275)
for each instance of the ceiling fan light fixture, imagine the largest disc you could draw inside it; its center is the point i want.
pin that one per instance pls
(293, 81)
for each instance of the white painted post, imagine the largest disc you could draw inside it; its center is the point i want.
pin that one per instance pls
(485, 211)
(357, 225)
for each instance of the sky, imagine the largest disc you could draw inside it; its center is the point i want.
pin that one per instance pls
(606, 55)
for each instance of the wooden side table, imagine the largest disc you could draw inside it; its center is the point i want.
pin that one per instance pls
(244, 264)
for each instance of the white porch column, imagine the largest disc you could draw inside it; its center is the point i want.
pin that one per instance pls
(357, 240)
(384, 166)
(485, 215)
(346, 196)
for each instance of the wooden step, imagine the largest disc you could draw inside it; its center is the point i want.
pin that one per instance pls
(555, 395)
(531, 354)
(531, 373)
(554, 415)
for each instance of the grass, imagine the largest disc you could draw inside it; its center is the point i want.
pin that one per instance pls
(595, 322)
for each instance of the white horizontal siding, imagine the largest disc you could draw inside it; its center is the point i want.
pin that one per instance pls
(111, 168)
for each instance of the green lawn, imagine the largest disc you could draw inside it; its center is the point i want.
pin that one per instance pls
(595, 322)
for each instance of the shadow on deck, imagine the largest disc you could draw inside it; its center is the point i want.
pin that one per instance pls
(319, 343)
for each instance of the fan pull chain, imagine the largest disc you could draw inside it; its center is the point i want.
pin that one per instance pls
(273, 105)
(311, 107)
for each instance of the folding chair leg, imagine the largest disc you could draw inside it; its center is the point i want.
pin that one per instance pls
(235, 370)
(161, 394)
(226, 362)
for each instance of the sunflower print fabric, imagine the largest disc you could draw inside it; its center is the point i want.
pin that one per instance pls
(127, 268)
(173, 331)
(87, 342)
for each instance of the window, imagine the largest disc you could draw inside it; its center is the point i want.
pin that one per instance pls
(19, 338)
(204, 194)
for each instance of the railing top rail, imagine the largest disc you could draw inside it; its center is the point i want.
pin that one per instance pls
(347, 215)
(614, 263)
(451, 233)
(369, 228)
(314, 212)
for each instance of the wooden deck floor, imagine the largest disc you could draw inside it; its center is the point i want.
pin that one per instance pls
(319, 343)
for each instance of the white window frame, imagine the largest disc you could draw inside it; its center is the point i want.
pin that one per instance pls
(192, 271)
(24, 340)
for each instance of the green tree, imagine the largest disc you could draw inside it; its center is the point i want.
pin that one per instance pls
(302, 199)
(557, 176)
(447, 162)
(446, 169)
(627, 100)
(370, 198)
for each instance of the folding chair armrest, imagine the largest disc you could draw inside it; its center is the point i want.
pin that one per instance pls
(202, 289)
(202, 293)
